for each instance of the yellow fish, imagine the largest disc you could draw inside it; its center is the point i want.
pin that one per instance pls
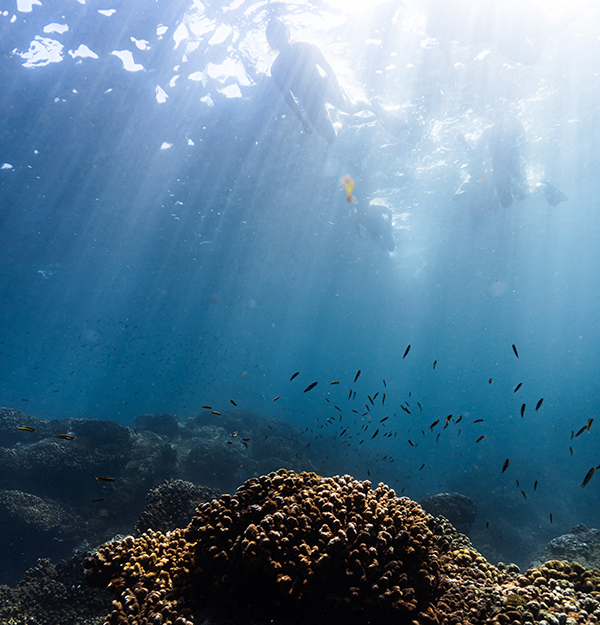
(348, 183)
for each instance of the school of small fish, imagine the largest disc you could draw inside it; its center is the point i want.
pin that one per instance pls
(355, 422)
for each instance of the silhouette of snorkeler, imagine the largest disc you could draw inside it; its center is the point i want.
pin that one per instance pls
(376, 219)
(504, 140)
(307, 81)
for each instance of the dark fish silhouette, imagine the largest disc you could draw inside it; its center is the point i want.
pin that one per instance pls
(406, 352)
(480, 438)
(334, 382)
(231, 400)
(295, 375)
(518, 386)
(589, 424)
(581, 431)
(588, 477)
(374, 435)
(357, 375)
(490, 381)
(539, 404)
(505, 465)
(64, 437)
(535, 485)
(434, 424)
(478, 421)
(551, 517)
(276, 398)
(515, 350)
(434, 364)
(106, 479)
(411, 443)
(522, 410)
(524, 495)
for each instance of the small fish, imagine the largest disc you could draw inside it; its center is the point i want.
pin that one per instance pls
(64, 437)
(384, 419)
(515, 350)
(487, 525)
(459, 419)
(434, 424)
(420, 408)
(384, 384)
(371, 400)
(231, 400)
(375, 396)
(581, 431)
(357, 375)
(206, 407)
(571, 450)
(98, 500)
(383, 399)
(233, 434)
(539, 404)
(405, 409)
(135, 431)
(25, 428)
(295, 375)
(411, 443)
(310, 387)
(447, 421)
(245, 439)
(588, 477)
(478, 421)
(215, 412)
(524, 495)
(106, 479)
(518, 485)
(276, 398)
(505, 465)
(551, 517)
(480, 438)
(522, 410)
(434, 364)
(490, 381)
(348, 183)
(334, 382)
(349, 394)
(518, 386)
(374, 435)
(406, 352)
(588, 425)
(421, 466)
(535, 486)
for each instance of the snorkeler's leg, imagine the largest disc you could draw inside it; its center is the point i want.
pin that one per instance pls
(503, 186)
(319, 118)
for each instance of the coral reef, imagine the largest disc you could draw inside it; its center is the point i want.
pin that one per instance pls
(171, 505)
(581, 545)
(458, 509)
(310, 546)
(54, 593)
(52, 503)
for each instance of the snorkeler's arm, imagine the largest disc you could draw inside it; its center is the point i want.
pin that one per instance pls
(341, 99)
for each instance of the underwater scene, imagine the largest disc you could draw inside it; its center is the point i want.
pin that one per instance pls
(300, 312)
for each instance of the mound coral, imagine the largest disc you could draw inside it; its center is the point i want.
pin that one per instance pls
(303, 544)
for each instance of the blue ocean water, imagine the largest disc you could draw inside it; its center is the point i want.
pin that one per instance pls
(170, 237)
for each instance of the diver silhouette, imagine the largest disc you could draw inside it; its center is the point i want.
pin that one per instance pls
(307, 81)
(504, 141)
